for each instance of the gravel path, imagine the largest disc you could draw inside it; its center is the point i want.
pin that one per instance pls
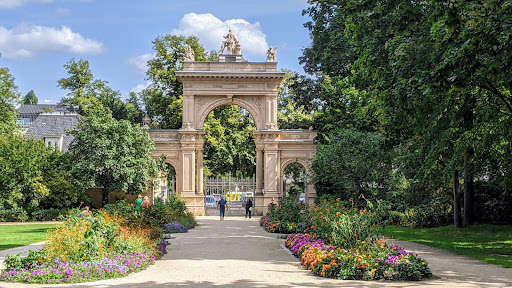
(238, 253)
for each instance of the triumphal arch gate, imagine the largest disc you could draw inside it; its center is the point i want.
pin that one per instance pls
(253, 86)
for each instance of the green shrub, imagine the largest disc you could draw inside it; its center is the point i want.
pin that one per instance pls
(339, 226)
(156, 215)
(48, 214)
(13, 215)
(430, 215)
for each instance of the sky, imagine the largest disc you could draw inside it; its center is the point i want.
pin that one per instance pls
(38, 37)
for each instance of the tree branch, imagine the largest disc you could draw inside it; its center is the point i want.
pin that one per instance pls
(505, 99)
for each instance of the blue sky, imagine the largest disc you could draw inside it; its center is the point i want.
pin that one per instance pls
(37, 37)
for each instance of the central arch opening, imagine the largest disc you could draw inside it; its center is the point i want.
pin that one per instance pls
(229, 165)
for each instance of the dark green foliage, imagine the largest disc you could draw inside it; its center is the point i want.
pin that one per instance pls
(163, 99)
(351, 163)
(433, 78)
(16, 214)
(34, 176)
(51, 214)
(158, 214)
(30, 98)
(112, 154)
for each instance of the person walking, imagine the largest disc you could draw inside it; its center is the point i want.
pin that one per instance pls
(222, 205)
(248, 208)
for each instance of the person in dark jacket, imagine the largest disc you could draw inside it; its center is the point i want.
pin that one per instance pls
(248, 208)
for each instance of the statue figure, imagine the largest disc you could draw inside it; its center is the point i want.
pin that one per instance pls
(271, 54)
(232, 44)
(189, 53)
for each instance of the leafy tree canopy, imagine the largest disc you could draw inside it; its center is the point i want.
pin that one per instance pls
(351, 163)
(30, 98)
(8, 98)
(112, 154)
(33, 175)
(91, 96)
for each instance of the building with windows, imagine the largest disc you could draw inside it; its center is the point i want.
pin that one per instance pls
(53, 128)
(28, 113)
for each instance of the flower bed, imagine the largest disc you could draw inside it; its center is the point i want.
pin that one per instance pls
(338, 242)
(58, 271)
(373, 261)
(110, 243)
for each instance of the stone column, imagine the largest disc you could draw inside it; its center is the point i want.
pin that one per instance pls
(188, 111)
(271, 112)
(199, 183)
(188, 161)
(259, 170)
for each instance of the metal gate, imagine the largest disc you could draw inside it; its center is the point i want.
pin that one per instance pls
(235, 190)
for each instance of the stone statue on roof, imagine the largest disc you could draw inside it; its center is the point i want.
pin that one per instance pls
(189, 53)
(231, 44)
(271, 54)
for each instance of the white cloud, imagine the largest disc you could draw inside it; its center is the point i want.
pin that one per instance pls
(140, 62)
(25, 40)
(140, 87)
(10, 4)
(210, 29)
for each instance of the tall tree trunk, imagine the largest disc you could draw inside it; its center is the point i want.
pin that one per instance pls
(456, 199)
(469, 189)
(469, 155)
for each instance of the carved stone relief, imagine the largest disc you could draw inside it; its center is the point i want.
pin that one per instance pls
(164, 135)
(187, 126)
(295, 136)
(271, 126)
(188, 137)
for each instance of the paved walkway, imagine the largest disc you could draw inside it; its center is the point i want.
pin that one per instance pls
(238, 253)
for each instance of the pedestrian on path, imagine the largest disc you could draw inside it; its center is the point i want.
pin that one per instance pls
(222, 205)
(248, 208)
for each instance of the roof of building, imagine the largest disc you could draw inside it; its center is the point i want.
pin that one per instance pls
(53, 125)
(36, 108)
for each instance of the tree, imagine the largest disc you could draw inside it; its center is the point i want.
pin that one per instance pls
(134, 112)
(351, 163)
(429, 71)
(297, 101)
(8, 97)
(112, 154)
(89, 94)
(33, 176)
(30, 98)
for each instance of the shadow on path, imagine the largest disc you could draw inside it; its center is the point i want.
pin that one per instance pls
(239, 253)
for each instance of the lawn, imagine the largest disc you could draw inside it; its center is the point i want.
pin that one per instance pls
(12, 236)
(490, 243)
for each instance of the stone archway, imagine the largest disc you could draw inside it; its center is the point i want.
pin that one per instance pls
(252, 86)
(309, 188)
